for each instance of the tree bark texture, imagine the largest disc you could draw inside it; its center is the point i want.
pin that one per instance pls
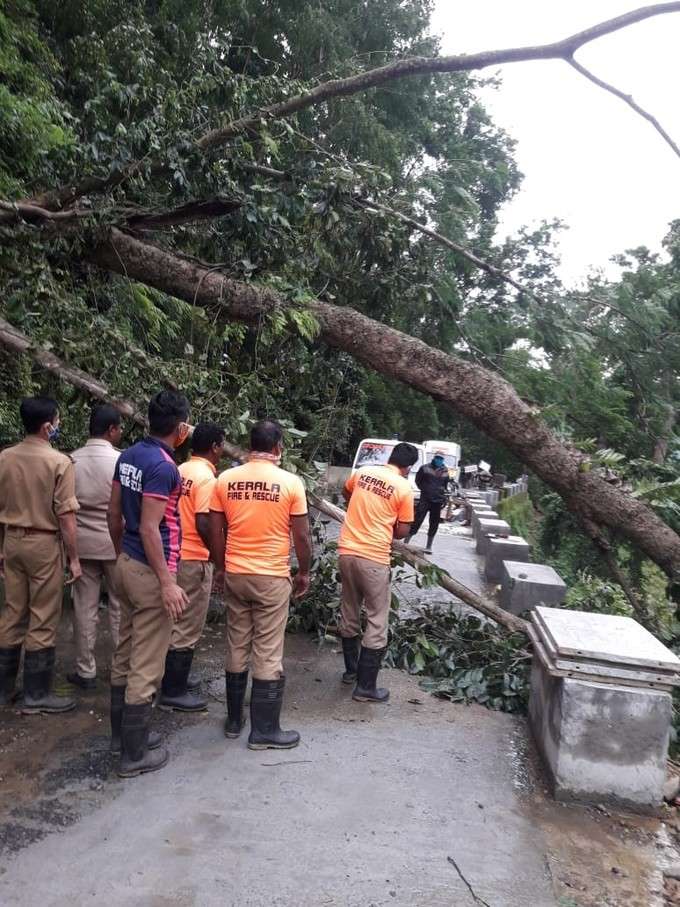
(482, 396)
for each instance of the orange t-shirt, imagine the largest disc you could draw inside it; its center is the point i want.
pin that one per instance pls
(381, 496)
(258, 499)
(198, 479)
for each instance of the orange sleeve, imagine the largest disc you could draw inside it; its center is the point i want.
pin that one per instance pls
(216, 498)
(405, 513)
(203, 496)
(298, 499)
(351, 482)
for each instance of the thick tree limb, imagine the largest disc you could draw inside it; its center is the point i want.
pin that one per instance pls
(373, 78)
(139, 219)
(481, 396)
(627, 99)
(15, 340)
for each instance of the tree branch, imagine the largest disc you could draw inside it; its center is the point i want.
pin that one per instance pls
(449, 244)
(481, 396)
(627, 99)
(336, 88)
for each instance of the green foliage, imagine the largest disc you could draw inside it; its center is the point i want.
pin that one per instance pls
(519, 513)
(591, 593)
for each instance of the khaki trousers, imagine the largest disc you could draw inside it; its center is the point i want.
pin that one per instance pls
(366, 583)
(195, 577)
(86, 595)
(144, 634)
(34, 587)
(257, 611)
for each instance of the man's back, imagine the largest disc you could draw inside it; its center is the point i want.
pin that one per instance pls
(258, 499)
(148, 469)
(94, 467)
(198, 480)
(380, 497)
(36, 485)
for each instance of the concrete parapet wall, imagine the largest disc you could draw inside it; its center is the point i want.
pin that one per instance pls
(524, 586)
(513, 548)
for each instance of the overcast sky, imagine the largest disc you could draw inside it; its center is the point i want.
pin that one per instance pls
(586, 156)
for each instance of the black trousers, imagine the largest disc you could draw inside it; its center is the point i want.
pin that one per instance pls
(423, 507)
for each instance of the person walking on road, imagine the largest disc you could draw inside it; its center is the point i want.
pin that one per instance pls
(380, 509)
(38, 507)
(145, 529)
(94, 467)
(433, 481)
(179, 690)
(258, 505)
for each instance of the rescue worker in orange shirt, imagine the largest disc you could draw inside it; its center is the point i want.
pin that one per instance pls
(258, 505)
(180, 690)
(380, 509)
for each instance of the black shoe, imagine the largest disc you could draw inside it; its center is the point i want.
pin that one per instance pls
(430, 543)
(174, 692)
(117, 704)
(236, 685)
(85, 683)
(38, 673)
(9, 668)
(350, 651)
(367, 674)
(136, 757)
(266, 699)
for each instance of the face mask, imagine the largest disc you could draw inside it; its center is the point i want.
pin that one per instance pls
(53, 433)
(183, 433)
(438, 462)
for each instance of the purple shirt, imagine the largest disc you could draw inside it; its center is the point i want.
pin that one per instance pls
(147, 469)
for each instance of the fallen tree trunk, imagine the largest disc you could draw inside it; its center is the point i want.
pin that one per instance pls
(482, 396)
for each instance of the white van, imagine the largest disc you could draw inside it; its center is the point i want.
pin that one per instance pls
(378, 450)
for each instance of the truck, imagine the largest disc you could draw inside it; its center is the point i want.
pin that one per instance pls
(378, 450)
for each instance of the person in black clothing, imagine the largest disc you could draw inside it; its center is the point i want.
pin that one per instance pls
(433, 481)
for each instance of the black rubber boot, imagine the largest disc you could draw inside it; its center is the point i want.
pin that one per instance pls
(38, 673)
(236, 685)
(430, 543)
(136, 757)
(367, 674)
(350, 651)
(174, 692)
(9, 668)
(117, 703)
(266, 699)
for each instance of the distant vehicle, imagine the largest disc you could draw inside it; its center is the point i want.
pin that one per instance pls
(377, 450)
(451, 452)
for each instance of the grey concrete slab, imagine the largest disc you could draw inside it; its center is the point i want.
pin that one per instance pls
(604, 637)
(478, 515)
(514, 547)
(487, 528)
(523, 586)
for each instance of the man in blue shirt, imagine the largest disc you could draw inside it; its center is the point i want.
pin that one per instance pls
(144, 524)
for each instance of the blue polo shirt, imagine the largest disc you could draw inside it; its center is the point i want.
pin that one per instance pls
(148, 469)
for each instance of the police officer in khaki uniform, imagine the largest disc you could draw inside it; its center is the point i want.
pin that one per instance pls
(37, 514)
(94, 466)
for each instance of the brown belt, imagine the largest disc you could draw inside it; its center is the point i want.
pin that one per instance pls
(29, 530)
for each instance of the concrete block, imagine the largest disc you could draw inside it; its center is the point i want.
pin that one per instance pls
(513, 548)
(487, 528)
(523, 586)
(602, 743)
(492, 497)
(478, 515)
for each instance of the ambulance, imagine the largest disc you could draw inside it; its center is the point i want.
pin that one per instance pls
(378, 450)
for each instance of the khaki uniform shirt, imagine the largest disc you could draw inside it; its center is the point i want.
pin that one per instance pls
(94, 465)
(37, 485)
